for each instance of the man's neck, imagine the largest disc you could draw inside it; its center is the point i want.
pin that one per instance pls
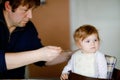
(10, 27)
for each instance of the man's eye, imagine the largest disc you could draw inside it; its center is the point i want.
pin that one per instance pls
(26, 10)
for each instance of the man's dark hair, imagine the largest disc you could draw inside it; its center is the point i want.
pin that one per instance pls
(16, 3)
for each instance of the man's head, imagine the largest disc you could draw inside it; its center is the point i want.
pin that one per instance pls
(18, 12)
(16, 3)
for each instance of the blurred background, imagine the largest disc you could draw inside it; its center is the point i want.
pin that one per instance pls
(56, 21)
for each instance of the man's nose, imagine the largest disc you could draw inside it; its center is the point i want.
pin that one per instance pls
(29, 14)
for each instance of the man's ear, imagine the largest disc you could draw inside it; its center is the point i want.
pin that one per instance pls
(8, 6)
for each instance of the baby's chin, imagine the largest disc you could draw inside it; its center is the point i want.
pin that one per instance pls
(93, 51)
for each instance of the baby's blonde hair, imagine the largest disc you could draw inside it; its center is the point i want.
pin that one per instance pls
(84, 31)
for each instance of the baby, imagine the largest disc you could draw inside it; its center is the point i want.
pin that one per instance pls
(87, 60)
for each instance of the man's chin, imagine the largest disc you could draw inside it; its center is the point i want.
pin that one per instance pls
(22, 25)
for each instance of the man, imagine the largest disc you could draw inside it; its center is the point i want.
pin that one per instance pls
(19, 44)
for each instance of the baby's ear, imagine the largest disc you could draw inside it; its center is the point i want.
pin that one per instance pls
(78, 44)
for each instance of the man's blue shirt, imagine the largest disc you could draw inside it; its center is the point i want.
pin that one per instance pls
(21, 39)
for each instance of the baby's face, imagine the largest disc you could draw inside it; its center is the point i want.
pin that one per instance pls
(90, 44)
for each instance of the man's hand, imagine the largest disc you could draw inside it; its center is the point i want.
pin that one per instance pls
(63, 57)
(49, 53)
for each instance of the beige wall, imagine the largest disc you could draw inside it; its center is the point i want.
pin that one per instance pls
(52, 23)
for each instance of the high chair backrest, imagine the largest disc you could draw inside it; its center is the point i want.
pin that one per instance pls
(111, 61)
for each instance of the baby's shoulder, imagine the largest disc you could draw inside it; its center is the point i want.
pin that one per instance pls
(77, 52)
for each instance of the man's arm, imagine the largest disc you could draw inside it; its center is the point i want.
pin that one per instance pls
(15, 60)
(2, 61)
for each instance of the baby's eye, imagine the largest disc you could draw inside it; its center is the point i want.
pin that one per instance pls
(95, 40)
(87, 41)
